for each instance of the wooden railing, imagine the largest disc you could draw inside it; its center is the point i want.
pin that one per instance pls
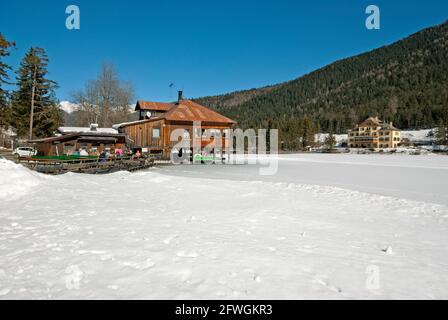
(86, 165)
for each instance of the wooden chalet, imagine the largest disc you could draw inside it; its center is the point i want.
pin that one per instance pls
(158, 120)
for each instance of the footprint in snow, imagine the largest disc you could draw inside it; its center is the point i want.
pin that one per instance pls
(106, 257)
(388, 250)
(139, 265)
(169, 239)
(327, 285)
(255, 276)
(187, 254)
(190, 219)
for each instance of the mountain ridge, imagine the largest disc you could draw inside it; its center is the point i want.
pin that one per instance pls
(405, 82)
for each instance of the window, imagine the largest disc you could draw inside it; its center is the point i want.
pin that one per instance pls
(156, 133)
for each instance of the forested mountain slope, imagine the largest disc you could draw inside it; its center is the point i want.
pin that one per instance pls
(405, 82)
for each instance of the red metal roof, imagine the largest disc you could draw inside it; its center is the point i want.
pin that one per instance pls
(153, 106)
(187, 110)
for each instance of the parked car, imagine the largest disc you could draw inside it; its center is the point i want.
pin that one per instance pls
(24, 152)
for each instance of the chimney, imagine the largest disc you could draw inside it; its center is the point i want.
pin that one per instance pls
(179, 96)
(93, 126)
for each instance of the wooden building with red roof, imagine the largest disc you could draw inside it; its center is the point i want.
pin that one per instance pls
(200, 125)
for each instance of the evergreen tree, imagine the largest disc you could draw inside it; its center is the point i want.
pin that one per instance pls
(308, 133)
(442, 134)
(4, 52)
(330, 142)
(35, 97)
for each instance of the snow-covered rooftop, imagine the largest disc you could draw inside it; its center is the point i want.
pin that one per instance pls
(65, 130)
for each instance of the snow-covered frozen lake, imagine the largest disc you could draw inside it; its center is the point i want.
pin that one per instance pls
(323, 227)
(423, 178)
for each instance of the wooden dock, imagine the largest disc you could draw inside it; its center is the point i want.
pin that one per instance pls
(88, 165)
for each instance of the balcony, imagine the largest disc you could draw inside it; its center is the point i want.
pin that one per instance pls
(368, 139)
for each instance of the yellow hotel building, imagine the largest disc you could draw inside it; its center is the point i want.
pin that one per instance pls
(374, 134)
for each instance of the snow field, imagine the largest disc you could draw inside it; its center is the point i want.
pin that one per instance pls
(150, 235)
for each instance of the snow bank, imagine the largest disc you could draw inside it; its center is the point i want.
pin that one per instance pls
(419, 135)
(16, 180)
(340, 138)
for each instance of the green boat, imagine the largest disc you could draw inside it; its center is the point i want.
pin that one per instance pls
(201, 158)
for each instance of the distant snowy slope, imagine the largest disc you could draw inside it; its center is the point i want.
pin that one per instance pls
(68, 106)
(419, 135)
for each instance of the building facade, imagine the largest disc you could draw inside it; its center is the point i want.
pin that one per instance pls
(374, 134)
(68, 140)
(157, 131)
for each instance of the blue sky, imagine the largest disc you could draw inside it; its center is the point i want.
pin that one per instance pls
(204, 47)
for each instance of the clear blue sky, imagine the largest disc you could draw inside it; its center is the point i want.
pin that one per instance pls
(205, 47)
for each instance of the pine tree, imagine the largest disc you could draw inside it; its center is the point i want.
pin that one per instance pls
(34, 103)
(442, 134)
(4, 52)
(330, 142)
(308, 135)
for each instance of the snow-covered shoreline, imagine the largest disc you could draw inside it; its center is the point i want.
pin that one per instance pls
(169, 233)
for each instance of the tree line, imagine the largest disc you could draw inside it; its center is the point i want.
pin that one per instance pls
(105, 100)
(32, 109)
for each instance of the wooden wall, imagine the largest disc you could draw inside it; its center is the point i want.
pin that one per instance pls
(140, 134)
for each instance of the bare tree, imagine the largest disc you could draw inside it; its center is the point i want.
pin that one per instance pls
(105, 100)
